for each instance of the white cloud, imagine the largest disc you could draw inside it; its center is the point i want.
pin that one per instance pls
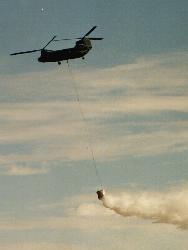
(91, 209)
(162, 74)
(43, 112)
(100, 230)
(39, 246)
(24, 170)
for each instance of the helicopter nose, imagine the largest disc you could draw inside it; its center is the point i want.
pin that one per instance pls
(41, 59)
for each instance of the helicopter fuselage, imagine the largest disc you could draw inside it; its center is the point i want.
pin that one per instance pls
(81, 48)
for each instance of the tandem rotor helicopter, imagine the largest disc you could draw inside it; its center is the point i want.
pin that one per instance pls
(81, 48)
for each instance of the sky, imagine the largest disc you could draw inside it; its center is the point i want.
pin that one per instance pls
(134, 96)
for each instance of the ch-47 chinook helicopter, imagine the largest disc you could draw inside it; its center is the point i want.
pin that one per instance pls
(81, 48)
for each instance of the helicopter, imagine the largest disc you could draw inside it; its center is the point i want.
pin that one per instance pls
(81, 48)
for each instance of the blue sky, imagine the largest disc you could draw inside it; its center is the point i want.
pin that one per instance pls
(133, 91)
(130, 28)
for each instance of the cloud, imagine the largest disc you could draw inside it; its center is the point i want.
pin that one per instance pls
(83, 222)
(90, 209)
(68, 142)
(164, 74)
(40, 246)
(99, 228)
(81, 212)
(24, 170)
(40, 110)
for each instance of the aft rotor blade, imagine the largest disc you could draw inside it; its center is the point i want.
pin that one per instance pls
(63, 39)
(69, 39)
(91, 30)
(96, 38)
(49, 42)
(25, 52)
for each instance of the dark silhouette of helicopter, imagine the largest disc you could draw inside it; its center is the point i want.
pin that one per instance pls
(81, 48)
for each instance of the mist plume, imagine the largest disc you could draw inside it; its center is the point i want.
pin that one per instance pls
(161, 207)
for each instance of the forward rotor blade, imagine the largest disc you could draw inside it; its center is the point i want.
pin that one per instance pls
(91, 30)
(49, 42)
(25, 52)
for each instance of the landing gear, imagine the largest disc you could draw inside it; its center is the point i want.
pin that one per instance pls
(59, 63)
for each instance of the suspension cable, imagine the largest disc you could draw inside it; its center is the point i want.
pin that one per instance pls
(86, 125)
